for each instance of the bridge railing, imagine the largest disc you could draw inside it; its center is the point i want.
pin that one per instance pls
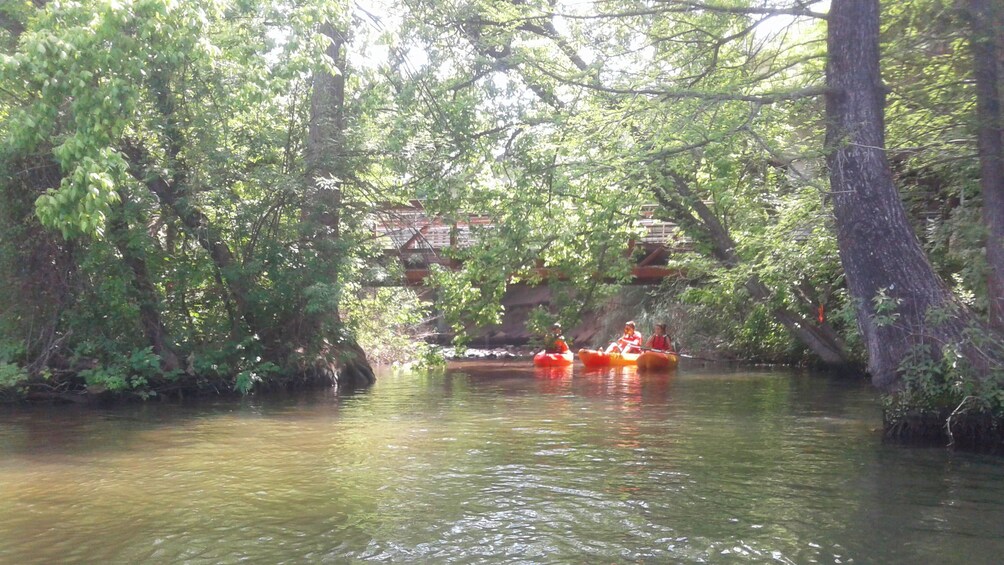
(418, 239)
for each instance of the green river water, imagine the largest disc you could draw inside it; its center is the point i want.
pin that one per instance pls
(497, 463)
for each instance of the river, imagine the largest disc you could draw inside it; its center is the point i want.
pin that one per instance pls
(497, 463)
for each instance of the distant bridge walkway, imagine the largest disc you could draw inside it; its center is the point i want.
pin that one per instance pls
(419, 240)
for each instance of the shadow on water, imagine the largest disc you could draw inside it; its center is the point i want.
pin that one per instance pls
(44, 431)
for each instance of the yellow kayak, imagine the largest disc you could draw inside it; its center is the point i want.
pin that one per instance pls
(657, 360)
(597, 358)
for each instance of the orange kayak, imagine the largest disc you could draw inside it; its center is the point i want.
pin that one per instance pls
(597, 358)
(657, 360)
(544, 359)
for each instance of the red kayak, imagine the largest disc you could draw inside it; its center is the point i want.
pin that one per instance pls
(657, 360)
(597, 358)
(544, 359)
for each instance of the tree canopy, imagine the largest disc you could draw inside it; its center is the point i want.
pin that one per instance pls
(189, 186)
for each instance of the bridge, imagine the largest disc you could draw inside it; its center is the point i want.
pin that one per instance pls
(418, 241)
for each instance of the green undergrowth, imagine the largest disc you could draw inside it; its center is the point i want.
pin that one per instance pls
(942, 401)
(389, 324)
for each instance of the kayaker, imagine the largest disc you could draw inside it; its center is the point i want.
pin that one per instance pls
(630, 342)
(659, 340)
(555, 342)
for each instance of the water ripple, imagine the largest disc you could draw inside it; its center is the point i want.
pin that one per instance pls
(466, 467)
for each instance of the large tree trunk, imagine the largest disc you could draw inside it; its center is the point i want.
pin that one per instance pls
(322, 214)
(986, 51)
(887, 271)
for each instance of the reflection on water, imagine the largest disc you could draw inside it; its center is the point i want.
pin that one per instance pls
(501, 463)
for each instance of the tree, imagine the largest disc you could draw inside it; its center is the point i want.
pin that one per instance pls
(702, 70)
(902, 306)
(985, 19)
(163, 147)
(327, 166)
(14, 14)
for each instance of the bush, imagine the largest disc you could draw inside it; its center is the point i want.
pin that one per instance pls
(391, 324)
(11, 375)
(136, 371)
(939, 393)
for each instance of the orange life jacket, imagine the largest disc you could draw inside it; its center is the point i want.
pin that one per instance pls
(557, 345)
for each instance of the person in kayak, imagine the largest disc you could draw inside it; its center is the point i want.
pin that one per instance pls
(659, 340)
(555, 342)
(630, 342)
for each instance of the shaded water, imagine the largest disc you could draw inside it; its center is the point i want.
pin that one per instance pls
(497, 463)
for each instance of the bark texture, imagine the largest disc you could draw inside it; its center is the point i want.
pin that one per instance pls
(987, 56)
(880, 254)
(322, 212)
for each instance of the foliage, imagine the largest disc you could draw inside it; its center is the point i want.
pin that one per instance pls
(11, 375)
(930, 129)
(393, 324)
(709, 316)
(939, 386)
(248, 378)
(163, 142)
(886, 308)
(156, 222)
(132, 372)
(603, 114)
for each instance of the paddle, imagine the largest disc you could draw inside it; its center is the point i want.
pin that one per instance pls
(680, 354)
